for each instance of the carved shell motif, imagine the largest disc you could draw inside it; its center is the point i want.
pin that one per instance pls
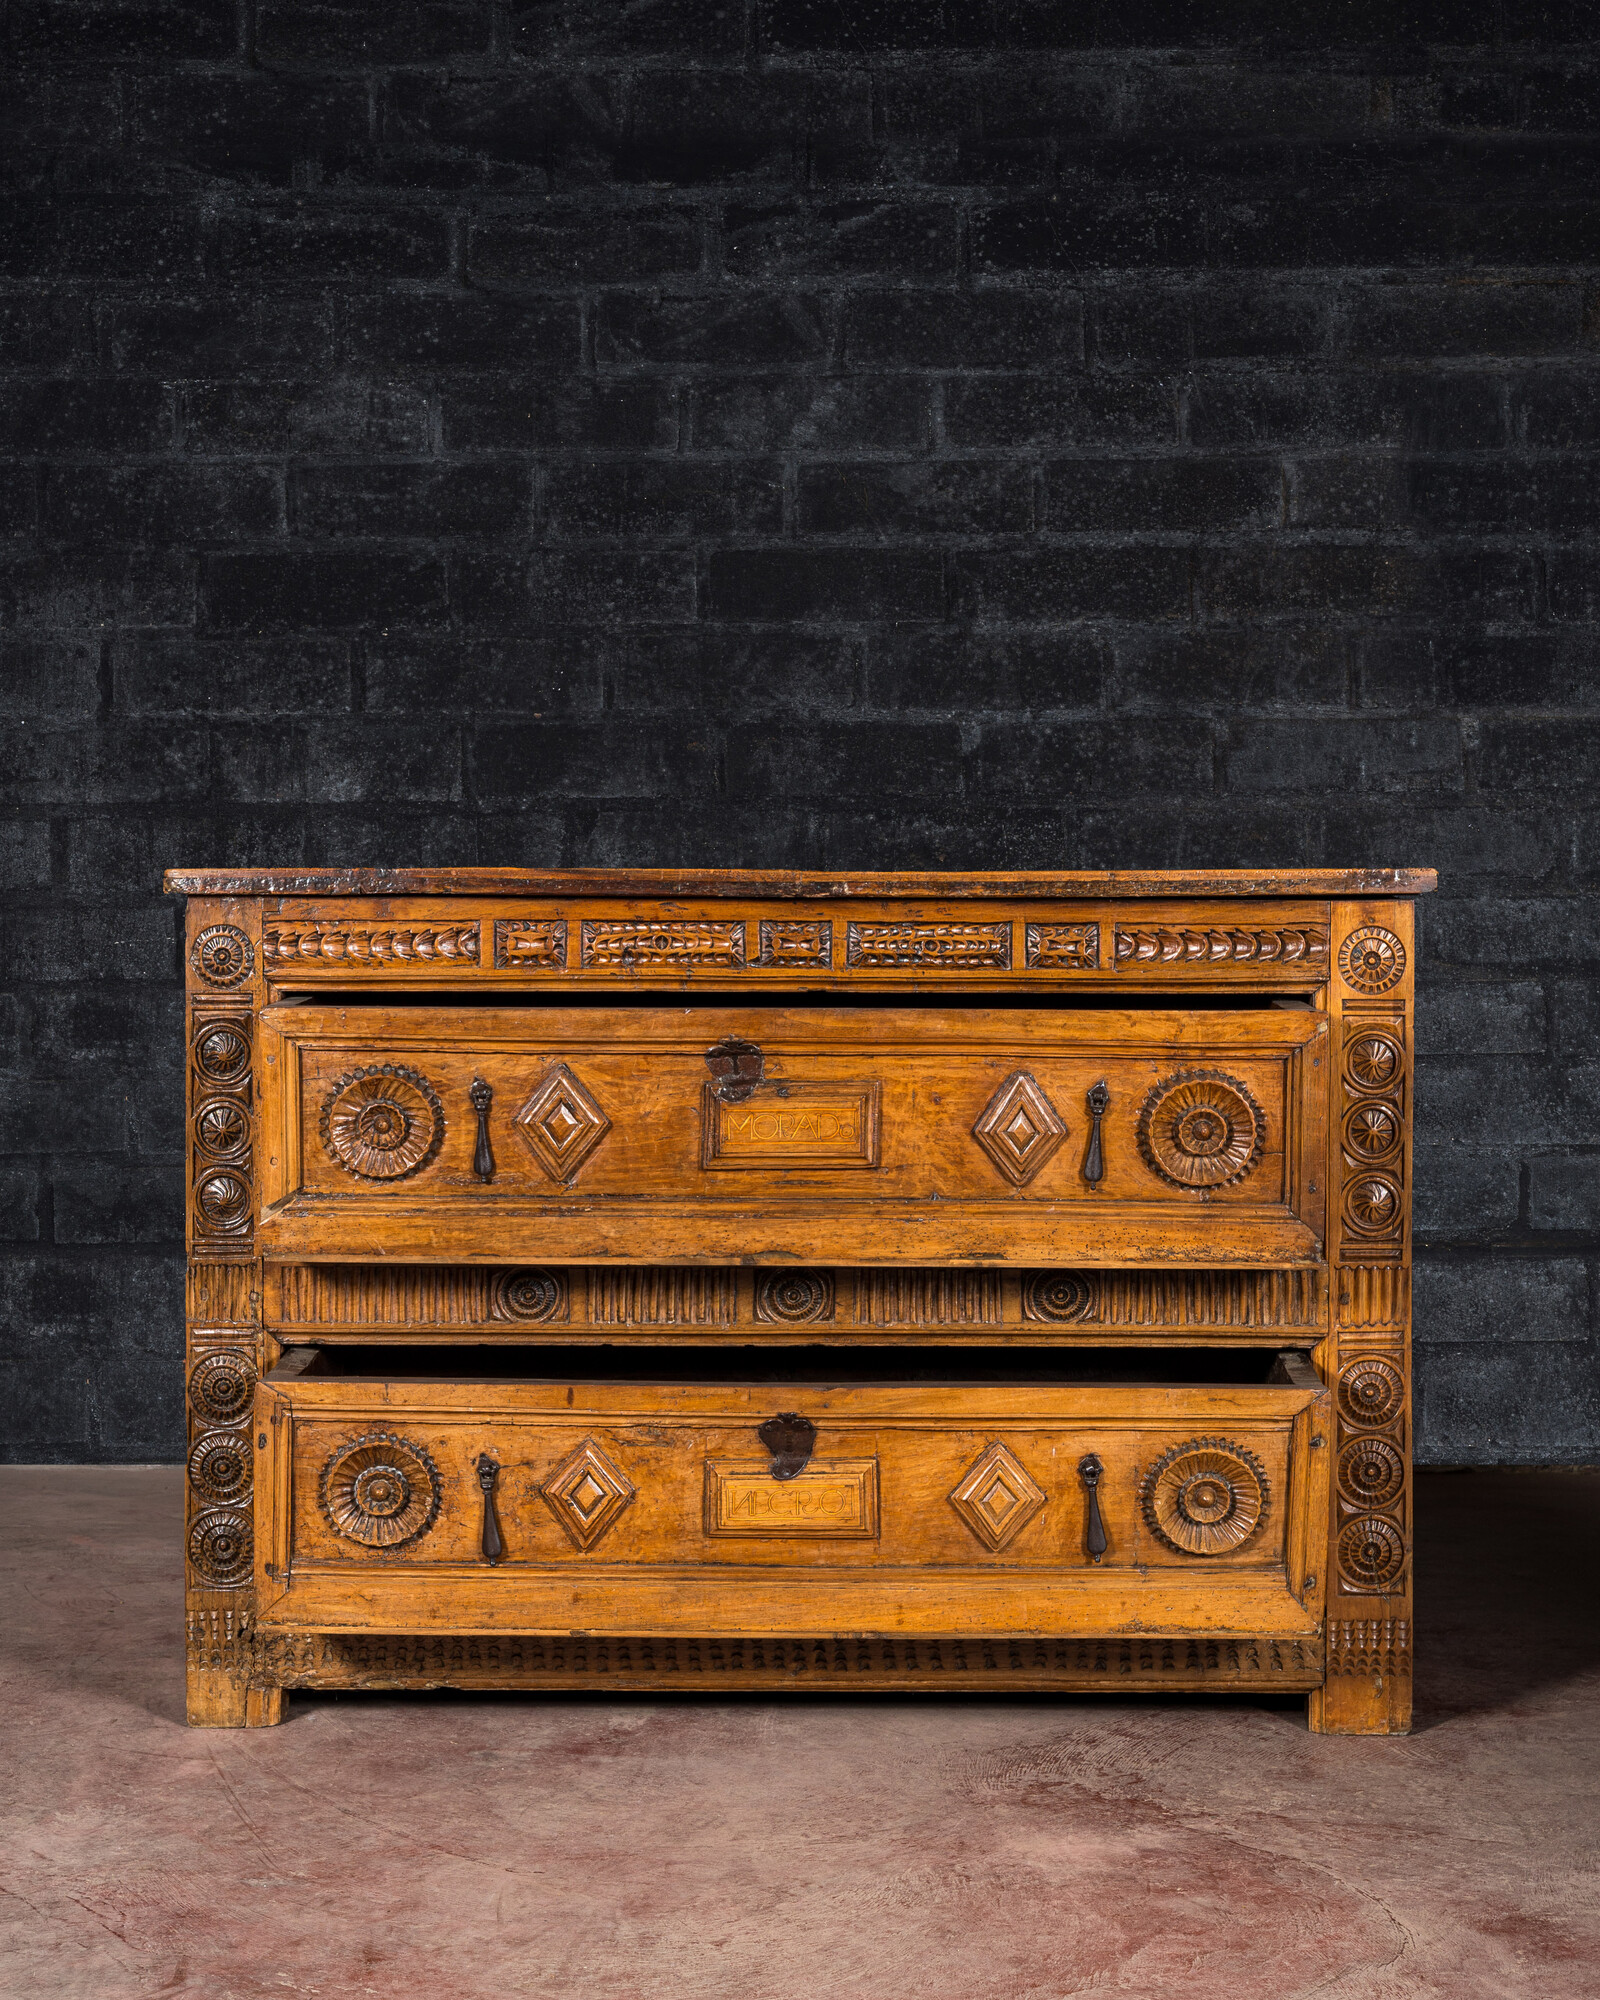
(380, 1490)
(383, 1123)
(1206, 1497)
(1201, 1129)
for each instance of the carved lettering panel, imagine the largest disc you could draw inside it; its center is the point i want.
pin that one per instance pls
(834, 1499)
(794, 1124)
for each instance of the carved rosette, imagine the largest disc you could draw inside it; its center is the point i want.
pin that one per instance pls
(221, 1467)
(222, 955)
(1201, 1129)
(1206, 1497)
(221, 1386)
(1372, 1473)
(1371, 1391)
(1372, 1134)
(530, 1295)
(221, 1548)
(1372, 1554)
(380, 1490)
(794, 1298)
(222, 1193)
(1372, 959)
(382, 1123)
(1058, 1297)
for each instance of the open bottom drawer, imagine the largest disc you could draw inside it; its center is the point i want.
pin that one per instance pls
(444, 1491)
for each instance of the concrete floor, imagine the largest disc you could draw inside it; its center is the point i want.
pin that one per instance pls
(477, 1848)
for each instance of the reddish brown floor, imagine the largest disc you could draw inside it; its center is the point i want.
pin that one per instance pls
(465, 1848)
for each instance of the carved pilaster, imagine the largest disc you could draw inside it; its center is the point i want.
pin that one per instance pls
(1367, 1358)
(223, 1294)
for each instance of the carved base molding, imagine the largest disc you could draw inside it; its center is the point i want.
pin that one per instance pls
(932, 1303)
(1369, 1646)
(329, 1660)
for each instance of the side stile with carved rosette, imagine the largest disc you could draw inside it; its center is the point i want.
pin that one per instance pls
(224, 974)
(1367, 1357)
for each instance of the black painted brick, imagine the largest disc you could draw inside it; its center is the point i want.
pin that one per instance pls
(282, 590)
(926, 497)
(772, 585)
(990, 328)
(952, 434)
(673, 499)
(569, 244)
(484, 497)
(810, 412)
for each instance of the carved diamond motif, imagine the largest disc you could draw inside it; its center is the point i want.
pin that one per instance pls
(997, 1498)
(586, 1493)
(561, 1123)
(1019, 1129)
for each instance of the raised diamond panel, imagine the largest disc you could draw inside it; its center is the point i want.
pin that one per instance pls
(1019, 1129)
(997, 1498)
(561, 1123)
(586, 1493)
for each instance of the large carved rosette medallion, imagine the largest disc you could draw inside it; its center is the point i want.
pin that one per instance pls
(380, 1490)
(1201, 1129)
(383, 1123)
(1206, 1497)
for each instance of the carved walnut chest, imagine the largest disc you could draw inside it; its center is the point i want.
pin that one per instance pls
(735, 1280)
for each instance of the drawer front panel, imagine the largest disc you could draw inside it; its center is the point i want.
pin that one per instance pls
(656, 1507)
(989, 1137)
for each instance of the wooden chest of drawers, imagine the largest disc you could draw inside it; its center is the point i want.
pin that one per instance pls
(741, 1280)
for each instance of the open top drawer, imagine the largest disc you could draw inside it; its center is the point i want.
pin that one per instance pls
(416, 1490)
(793, 1135)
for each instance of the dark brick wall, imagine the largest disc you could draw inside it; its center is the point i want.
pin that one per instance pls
(1013, 434)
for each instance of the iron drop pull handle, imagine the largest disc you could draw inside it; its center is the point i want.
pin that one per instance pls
(488, 1472)
(483, 1157)
(1098, 1101)
(1089, 1471)
(789, 1438)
